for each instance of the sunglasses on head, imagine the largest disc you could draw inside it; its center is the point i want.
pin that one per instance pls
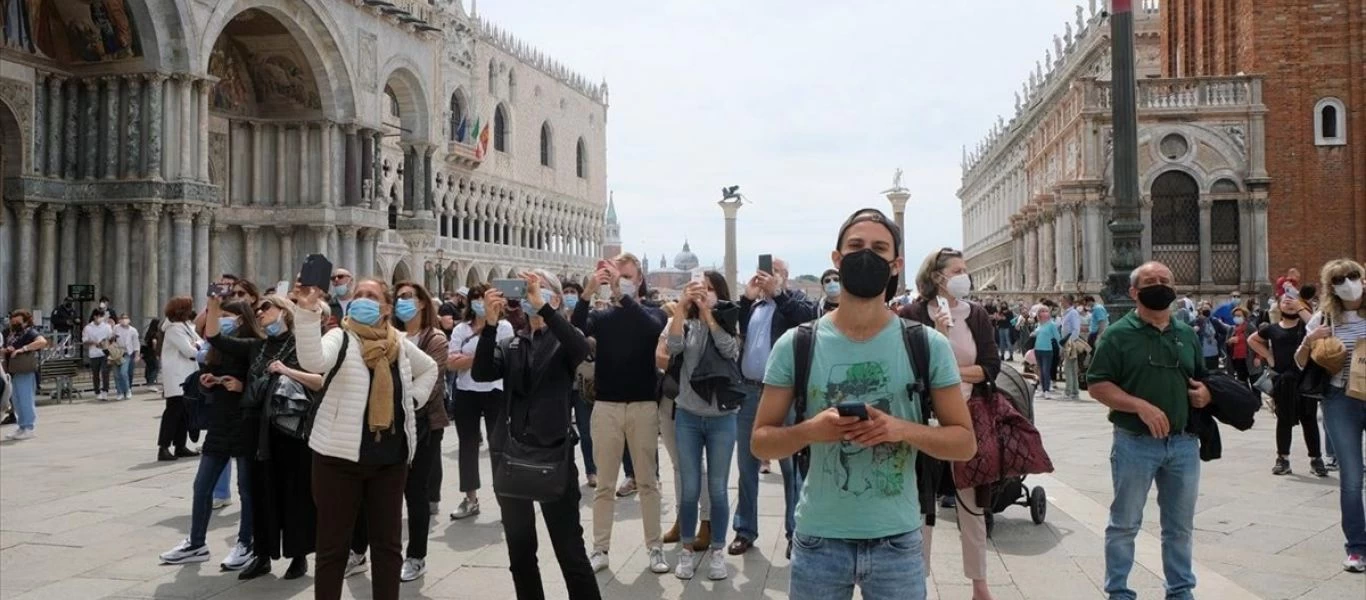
(1341, 279)
(950, 253)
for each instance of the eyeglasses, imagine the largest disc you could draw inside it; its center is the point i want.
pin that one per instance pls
(1164, 360)
(340, 277)
(830, 280)
(1341, 279)
(240, 294)
(407, 296)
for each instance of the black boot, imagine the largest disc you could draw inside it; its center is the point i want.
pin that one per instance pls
(259, 566)
(164, 455)
(297, 568)
(183, 452)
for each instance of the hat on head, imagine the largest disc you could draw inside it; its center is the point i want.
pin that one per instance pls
(464, 291)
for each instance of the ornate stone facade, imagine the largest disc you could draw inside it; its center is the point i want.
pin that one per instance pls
(1036, 192)
(406, 140)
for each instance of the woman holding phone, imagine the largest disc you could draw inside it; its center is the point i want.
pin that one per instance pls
(473, 399)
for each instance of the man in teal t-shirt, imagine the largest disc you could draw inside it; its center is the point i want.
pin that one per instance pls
(858, 519)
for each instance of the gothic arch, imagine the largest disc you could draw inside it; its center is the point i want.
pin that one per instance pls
(402, 271)
(472, 277)
(493, 274)
(403, 75)
(14, 155)
(309, 22)
(163, 32)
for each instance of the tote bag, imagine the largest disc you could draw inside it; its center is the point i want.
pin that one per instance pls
(1356, 373)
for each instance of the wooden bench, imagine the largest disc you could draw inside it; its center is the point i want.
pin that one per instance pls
(63, 372)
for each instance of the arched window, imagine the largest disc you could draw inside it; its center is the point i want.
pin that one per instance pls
(493, 78)
(581, 160)
(546, 144)
(500, 129)
(1330, 123)
(393, 101)
(1176, 225)
(457, 117)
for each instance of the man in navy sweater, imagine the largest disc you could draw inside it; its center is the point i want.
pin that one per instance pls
(626, 412)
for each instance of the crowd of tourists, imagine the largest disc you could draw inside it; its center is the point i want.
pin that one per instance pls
(332, 403)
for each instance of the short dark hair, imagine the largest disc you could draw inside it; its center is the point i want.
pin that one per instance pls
(476, 293)
(828, 273)
(570, 285)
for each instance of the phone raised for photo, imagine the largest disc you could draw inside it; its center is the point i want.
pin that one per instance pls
(766, 263)
(219, 290)
(853, 408)
(512, 289)
(316, 272)
(699, 277)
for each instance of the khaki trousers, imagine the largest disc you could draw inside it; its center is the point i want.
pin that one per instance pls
(634, 425)
(972, 533)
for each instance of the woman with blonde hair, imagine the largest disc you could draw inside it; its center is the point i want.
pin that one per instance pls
(1342, 315)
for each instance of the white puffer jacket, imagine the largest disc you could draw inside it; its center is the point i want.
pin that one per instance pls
(179, 345)
(341, 415)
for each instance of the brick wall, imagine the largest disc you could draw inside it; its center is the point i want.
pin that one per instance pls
(1306, 50)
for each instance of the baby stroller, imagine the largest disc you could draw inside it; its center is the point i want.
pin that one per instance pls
(1013, 491)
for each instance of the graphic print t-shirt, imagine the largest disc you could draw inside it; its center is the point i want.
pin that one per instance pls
(853, 492)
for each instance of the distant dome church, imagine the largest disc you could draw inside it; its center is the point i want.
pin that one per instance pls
(669, 281)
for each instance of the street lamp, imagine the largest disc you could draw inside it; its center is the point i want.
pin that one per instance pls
(731, 201)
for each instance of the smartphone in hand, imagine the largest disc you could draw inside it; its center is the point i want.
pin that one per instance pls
(853, 408)
(766, 263)
(512, 289)
(316, 272)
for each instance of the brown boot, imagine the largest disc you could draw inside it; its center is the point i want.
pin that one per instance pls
(703, 539)
(672, 536)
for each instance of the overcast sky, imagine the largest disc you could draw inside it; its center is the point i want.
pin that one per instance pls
(808, 106)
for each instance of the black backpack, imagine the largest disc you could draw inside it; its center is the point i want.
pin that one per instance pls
(804, 349)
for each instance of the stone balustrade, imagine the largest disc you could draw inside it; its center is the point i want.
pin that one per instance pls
(1184, 94)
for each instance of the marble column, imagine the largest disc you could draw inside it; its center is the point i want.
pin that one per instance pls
(1067, 247)
(23, 266)
(123, 254)
(70, 128)
(90, 128)
(156, 85)
(95, 253)
(304, 155)
(215, 248)
(47, 258)
(258, 163)
(203, 129)
(1206, 249)
(70, 225)
(251, 238)
(320, 236)
(182, 246)
(202, 249)
(39, 142)
(288, 266)
(54, 130)
(1245, 248)
(367, 163)
(151, 281)
(1260, 266)
(133, 165)
(280, 164)
(328, 147)
(377, 167)
(353, 166)
(1047, 252)
(347, 235)
(185, 85)
(428, 200)
(1145, 215)
(111, 127)
(1031, 282)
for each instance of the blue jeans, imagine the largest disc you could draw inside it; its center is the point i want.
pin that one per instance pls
(123, 376)
(25, 399)
(1136, 461)
(210, 466)
(583, 414)
(885, 568)
(715, 436)
(1044, 358)
(1003, 343)
(1345, 419)
(747, 507)
(222, 489)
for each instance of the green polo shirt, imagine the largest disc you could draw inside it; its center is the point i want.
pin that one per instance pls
(1151, 364)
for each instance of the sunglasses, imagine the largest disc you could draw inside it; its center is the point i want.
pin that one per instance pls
(340, 277)
(1341, 279)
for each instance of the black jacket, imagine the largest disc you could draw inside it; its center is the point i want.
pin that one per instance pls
(235, 426)
(1231, 403)
(537, 369)
(624, 366)
(791, 308)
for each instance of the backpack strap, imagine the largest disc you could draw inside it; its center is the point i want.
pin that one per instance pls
(803, 351)
(918, 349)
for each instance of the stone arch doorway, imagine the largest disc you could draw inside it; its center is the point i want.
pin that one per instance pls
(11, 166)
(1176, 225)
(405, 114)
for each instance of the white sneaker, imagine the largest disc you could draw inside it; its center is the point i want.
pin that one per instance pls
(1355, 563)
(184, 553)
(717, 571)
(238, 558)
(221, 502)
(21, 434)
(685, 568)
(598, 560)
(102, 396)
(412, 569)
(355, 564)
(658, 564)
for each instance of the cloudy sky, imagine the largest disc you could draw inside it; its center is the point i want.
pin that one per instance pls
(808, 106)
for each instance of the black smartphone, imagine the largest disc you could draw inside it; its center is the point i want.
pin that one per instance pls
(316, 272)
(766, 263)
(512, 289)
(853, 408)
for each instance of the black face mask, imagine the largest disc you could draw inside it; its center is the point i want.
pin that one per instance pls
(1156, 297)
(864, 274)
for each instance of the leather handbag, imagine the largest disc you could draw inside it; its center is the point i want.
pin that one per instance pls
(290, 407)
(1008, 445)
(1266, 382)
(529, 472)
(19, 364)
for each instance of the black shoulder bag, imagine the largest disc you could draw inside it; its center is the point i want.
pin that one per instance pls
(529, 472)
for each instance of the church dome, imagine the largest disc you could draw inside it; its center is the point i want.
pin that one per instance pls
(686, 260)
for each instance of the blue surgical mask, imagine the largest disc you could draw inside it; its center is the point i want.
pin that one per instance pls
(405, 309)
(364, 311)
(339, 291)
(571, 301)
(202, 356)
(832, 289)
(276, 327)
(227, 325)
(478, 307)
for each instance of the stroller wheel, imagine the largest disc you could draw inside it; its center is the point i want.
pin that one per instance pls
(1038, 505)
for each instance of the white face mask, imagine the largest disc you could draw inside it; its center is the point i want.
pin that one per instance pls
(628, 287)
(1237, 320)
(1349, 290)
(959, 285)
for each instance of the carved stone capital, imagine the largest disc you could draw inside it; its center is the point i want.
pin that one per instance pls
(1260, 202)
(134, 83)
(91, 83)
(154, 78)
(183, 214)
(122, 213)
(50, 212)
(93, 211)
(284, 230)
(1205, 203)
(250, 231)
(150, 212)
(348, 230)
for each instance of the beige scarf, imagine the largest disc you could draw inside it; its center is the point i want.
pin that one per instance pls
(379, 349)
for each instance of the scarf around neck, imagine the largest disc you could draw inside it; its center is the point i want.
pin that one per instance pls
(379, 349)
